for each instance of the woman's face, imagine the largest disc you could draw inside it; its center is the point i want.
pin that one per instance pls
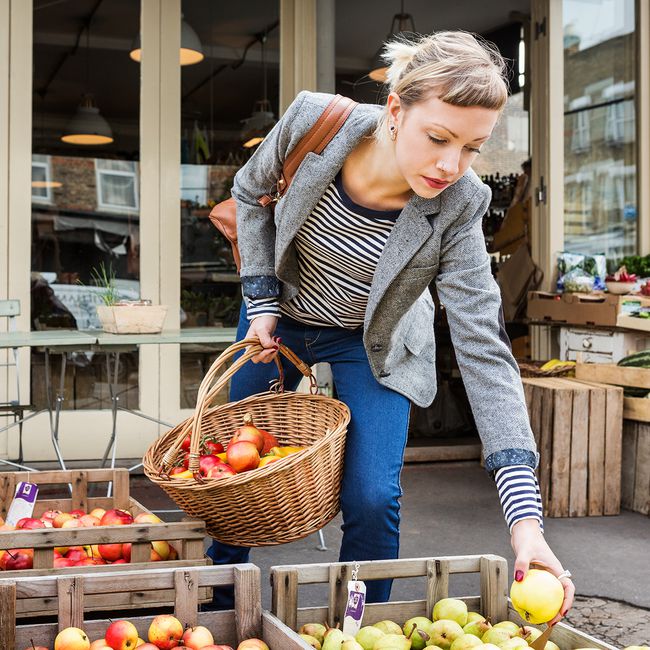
(436, 142)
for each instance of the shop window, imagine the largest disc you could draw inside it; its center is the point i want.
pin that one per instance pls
(41, 179)
(117, 185)
(581, 132)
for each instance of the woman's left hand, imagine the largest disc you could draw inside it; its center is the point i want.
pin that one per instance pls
(530, 547)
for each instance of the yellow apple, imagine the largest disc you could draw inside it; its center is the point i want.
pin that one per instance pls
(538, 597)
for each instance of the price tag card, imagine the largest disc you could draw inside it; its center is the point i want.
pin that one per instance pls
(23, 503)
(354, 608)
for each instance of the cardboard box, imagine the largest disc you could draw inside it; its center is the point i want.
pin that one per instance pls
(603, 309)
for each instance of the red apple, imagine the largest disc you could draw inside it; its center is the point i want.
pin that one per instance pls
(173, 553)
(90, 561)
(72, 523)
(161, 549)
(60, 562)
(37, 647)
(120, 561)
(126, 551)
(242, 456)
(217, 647)
(111, 552)
(165, 632)
(29, 523)
(179, 470)
(252, 644)
(248, 434)
(197, 637)
(121, 635)
(100, 644)
(97, 512)
(147, 518)
(185, 445)
(61, 518)
(213, 447)
(71, 638)
(270, 441)
(221, 471)
(147, 646)
(76, 554)
(207, 462)
(88, 520)
(50, 514)
(77, 513)
(18, 559)
(47, 523)
(116, 518)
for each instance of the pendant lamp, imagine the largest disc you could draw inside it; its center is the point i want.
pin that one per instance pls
(87, 127)
(402, 22)
(262, 120)
(191, 48)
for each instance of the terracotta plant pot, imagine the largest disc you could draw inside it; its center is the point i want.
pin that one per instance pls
(135, 318)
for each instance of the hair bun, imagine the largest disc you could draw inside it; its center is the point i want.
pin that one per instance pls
(398, 54)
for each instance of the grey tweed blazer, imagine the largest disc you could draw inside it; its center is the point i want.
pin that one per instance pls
(437, 239)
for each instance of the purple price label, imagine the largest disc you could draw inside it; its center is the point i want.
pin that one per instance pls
(354, 608)
(27, 492)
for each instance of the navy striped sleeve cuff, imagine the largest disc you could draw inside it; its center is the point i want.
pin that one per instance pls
(262, 307)
(519, 494)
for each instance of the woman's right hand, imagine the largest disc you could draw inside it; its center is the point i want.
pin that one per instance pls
(263, 328)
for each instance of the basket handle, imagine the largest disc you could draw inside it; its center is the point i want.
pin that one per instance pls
(211, 386)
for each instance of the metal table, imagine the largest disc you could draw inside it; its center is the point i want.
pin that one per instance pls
(51, 341)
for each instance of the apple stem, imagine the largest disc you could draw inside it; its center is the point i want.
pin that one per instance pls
(32, 642)
(410, 634)
(11, 555)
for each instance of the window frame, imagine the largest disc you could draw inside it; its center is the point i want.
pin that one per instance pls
(110, 207)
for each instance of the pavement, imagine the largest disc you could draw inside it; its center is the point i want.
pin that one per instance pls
(453, 509)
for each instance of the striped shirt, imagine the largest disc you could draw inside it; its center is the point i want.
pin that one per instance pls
(338, 248)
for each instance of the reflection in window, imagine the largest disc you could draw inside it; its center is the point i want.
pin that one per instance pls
(117, 185)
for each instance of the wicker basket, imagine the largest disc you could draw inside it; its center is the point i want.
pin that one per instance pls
(281, 502)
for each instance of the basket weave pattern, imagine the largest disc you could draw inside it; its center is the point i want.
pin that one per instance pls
(279, 503)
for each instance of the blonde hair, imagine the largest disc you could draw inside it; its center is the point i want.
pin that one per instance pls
(461, 68)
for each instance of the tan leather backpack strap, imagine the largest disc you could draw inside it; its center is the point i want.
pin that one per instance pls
(315, 140)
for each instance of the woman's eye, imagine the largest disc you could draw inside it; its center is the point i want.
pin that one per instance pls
(436, 140)
(473, 149)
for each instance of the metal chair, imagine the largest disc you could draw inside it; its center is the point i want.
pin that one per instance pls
(10, 309)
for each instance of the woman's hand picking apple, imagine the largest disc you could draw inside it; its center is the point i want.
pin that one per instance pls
(262, 328)
(530, 547)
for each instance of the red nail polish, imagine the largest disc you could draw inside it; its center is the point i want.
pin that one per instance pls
(278, 339)
(519, 575)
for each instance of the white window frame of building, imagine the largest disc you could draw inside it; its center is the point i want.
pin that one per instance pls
(42, 162)
(190, 176)
(581, 132)
(101, 173)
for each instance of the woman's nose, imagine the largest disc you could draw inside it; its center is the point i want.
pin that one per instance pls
(448, 165)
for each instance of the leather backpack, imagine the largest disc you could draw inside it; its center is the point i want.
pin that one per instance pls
(224, 214)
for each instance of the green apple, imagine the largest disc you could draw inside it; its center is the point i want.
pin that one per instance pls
(444, 633)
(310, 640)
(474, 616)
(423, 624)
(314, 629)
(466, 642)
(389, 627)
(367, 636)
(451, 609)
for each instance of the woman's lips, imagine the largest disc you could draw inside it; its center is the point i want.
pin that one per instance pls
(436, 183)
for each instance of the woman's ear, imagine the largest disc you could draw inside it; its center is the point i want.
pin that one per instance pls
(394, 106)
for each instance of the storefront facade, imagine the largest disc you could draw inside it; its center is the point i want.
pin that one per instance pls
(176, 131)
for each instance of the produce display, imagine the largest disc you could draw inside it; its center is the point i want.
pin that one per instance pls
(249, 448)
(636, 360)
(537, 598)
(95, 554)
(165, 632)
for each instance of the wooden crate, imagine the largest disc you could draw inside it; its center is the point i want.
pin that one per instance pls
(72, 593)
(186, 536)
(492, 600)
(578, 430)
(635, 488)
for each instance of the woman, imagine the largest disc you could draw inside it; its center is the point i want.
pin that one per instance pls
(340, 273)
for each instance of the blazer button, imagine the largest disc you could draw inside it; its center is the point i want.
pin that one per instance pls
(376, 347)
(384, 373)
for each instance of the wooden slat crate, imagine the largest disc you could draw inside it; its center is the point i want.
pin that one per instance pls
(186, 536)
(492, 600)
(578, 430)
(73, 592)
(634, 408)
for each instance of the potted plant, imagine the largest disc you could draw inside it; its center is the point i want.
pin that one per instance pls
(125, 316)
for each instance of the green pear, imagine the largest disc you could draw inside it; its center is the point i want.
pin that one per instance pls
(477, 628)
(637, 647)
(513, 628)
(450, 609)
(513, 644)
(472, 617)
(393, 642)
(310, 640)
(466, 642)
(333, 639)
(367, 636)
(351, 644)
(317, 630)
(444, 633)
(490, 646)
(423, 624)
(496, 635)
(389, 627)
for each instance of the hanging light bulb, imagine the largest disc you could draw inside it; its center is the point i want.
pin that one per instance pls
(191, 49)
(262, 120)
(87, 127)
(402, 22)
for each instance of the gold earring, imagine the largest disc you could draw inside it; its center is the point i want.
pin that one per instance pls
(393, 132)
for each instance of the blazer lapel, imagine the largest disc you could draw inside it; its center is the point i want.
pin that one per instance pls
(411, 230)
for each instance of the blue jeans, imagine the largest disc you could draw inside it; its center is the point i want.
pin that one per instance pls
(374, 450)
